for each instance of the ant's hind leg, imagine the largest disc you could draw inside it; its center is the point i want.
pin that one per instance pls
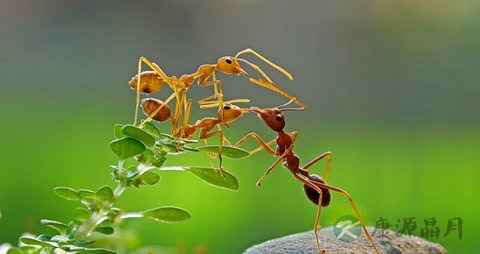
(357, 213)
(320, 157)
(316, 227)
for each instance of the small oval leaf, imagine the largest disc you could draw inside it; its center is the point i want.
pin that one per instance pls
(86, 195)
(95, 251)
(104, 230)
(168, 214)
(138, 134)
(149, 178)
(127, 147)
(67, 193)
(117, 131)
(58, 226)
(105, 193)
(227, 151)
(213, 177)
(32, 241)
(14, 250)
(150, 128)
(81, 214)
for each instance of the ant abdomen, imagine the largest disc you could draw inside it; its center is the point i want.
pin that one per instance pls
(150, 106)
(313, 195)
(150, 82)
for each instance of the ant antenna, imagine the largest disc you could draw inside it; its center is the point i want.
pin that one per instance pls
(283, 105)
(251, 51)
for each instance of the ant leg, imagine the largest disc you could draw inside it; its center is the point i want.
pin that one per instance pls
(357, 213)
(225, 138)
(219, 95)
(316, 227)
(280, 69)
(188, 107)
(150, 117)
(272, 87)
(259, 182)
(214, 104)
(259, 139)
(158, 71)
(320, 157)
(205, 134)
(178, 114)
(209, 155)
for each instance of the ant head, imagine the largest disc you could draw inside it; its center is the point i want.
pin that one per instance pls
(273, 117)
(230, 65)
(229, 113)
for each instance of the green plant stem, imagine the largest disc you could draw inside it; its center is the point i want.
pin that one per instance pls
(99, 216)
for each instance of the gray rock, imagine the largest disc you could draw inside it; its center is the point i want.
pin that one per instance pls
(304, 243)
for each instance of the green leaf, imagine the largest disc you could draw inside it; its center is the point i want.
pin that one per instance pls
(14, 250)
(138, 134)
(105, 230)
(227, 151)
(58, 226)
(67, 193)
(81, 214)
(117, 131)
(149, 178)
(168, 214)
(105, 193)
(127, 147)
(86, 195)
(95, 251)
(209, 175)
(172, 138)
(213, 177)
(150, 128)
(32, 241)
(44, 238)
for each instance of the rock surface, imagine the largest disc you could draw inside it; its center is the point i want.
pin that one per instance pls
(304, 243)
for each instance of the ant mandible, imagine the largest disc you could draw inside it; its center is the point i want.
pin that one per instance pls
(152, 81)
(316, 187)
(228, 114)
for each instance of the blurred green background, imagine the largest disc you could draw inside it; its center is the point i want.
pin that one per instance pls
(392, 88)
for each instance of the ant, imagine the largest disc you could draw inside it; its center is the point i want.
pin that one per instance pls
(157, 110)
(152, 81)
(316, 187)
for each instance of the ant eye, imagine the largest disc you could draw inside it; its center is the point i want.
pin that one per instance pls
(278, 118)
(228, 61)
(226, 107)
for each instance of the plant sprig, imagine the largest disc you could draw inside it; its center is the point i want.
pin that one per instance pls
(141, 154)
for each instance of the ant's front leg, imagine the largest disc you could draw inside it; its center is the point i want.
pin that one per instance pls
(263, 144)
(205, 134)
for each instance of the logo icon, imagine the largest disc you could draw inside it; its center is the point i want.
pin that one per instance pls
(347, 229)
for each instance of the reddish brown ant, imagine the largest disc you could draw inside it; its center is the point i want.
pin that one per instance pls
(316, 187)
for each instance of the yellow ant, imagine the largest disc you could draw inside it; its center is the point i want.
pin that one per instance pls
(157, 110)
(152, 81)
